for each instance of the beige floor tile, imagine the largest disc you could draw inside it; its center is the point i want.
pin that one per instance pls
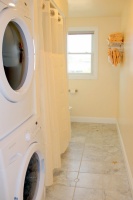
(112, 153)
(93, 148)
(92, 181)
(93, 153)
(93, 167)
(112, 149)
(72, 155)
(109, 141)
(94, 157)
(88, 194)
(114, 168)
(110, 127)
(70, 165)
(75, 146)
(92, 139)
(80, 127)
(115, 195)
(109, 134)
(57, 192)
(116, 183)
(95, 125)
(65, 178)
(113, 157)
(78, 139)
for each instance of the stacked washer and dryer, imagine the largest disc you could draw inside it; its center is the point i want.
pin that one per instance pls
(21, 152)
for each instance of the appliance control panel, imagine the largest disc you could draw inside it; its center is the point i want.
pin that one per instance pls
(17, 143)
(31, 133)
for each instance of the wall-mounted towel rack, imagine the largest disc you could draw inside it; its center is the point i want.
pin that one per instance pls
(72, 91)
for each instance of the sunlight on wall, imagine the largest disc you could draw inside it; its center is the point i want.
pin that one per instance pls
(97, 98)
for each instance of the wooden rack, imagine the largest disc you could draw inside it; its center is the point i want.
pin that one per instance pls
(118, 45)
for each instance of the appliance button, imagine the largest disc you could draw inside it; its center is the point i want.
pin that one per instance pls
(27, 137)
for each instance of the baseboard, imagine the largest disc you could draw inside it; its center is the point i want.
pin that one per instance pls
(125, 159)
(93, 120)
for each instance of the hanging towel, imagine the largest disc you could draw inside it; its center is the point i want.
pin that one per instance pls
(115, 56)
(116, 37)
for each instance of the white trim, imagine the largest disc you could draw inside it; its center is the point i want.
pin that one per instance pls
(93, 120)
(94, 74)
(126, 160)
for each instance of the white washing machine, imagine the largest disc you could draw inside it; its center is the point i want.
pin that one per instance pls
(17, 87)
(22, 167)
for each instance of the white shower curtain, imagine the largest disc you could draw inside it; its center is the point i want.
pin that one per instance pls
(45, 93)
(60, 79)
(54, 100)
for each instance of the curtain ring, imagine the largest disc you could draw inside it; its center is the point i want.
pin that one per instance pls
(43, 6)
(59, 19)
(52, 12)
(25, 3)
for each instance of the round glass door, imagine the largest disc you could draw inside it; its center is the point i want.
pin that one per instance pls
(30, 182)
(14, 58)
(32, 178)
(16, 55)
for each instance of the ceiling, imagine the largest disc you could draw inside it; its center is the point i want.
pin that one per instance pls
(95, 8)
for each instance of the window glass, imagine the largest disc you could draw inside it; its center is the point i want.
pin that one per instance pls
(79, 53)
(79, 63)
(82, 52)
(32, 178)
(79, 43)
(13, 53)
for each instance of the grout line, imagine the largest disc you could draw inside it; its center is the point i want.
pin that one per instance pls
(74, 192)
(79, 169)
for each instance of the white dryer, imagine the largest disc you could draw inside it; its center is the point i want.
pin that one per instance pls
(22, 167)
(17, 87)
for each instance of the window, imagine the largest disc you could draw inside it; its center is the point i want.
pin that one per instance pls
(82, 53)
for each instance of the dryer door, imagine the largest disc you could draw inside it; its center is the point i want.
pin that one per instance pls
(16, 55)
(30, 185)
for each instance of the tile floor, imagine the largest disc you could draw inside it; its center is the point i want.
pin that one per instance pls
(92, 167)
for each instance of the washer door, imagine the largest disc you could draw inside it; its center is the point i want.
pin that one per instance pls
(16, 55)
(30, 185)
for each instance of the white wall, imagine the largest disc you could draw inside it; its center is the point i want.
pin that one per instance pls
(126, 85)
(97, 98)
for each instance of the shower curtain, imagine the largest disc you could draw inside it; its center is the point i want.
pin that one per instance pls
(54, 92)
(60, 78)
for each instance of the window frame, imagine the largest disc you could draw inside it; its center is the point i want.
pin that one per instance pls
(94, 73)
